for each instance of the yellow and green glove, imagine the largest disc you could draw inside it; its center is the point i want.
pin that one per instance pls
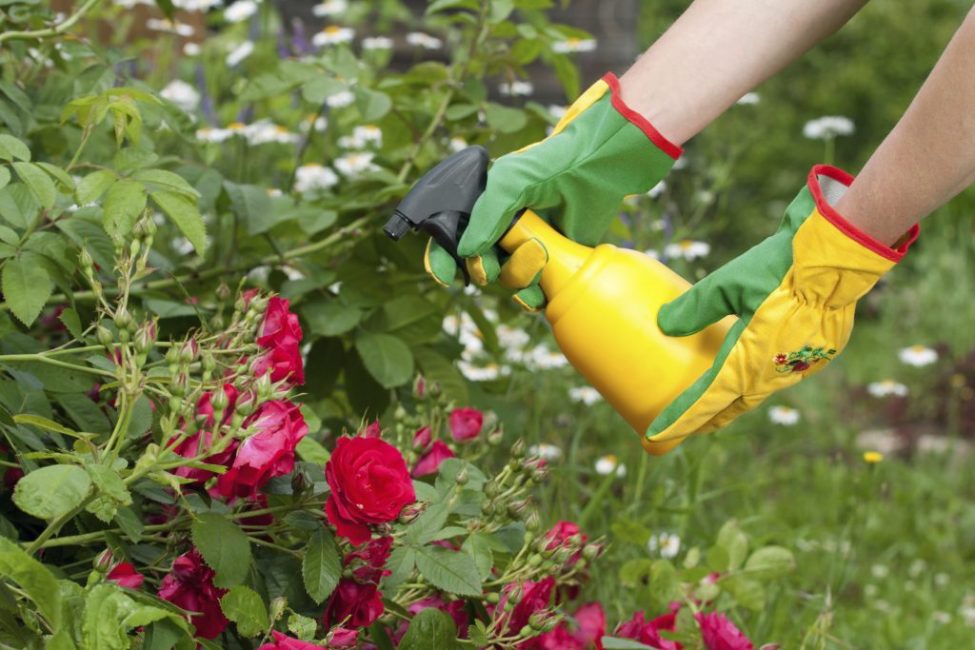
(600, 152)
(795, 294)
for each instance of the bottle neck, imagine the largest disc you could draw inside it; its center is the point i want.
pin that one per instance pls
(565, 256)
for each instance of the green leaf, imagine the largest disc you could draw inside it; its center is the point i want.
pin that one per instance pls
(387, 358)
(185, 215)
(312, 451)
(46, 424)
(69, 318)
(479, 548)
(123, 203)
(109, 483)
(316, 90)
(13, 149)
(441, 5)
(505, 119)
(500, 10)
(34, 579)
(747, 592)
(59, 175)
(303, 627)
(4, 177)
(106, 606)
(321, 567)
(38, 182)
(244, 606)
(26, 286)
(92, 186)
(165, 181)
(252, 204)
(438, 368)
(372, 104)
(52, 491)
(400, 564)
(450, 571)
(770, 562)
(735, 543)
(431, 629)
(224, 546)
(331, 317)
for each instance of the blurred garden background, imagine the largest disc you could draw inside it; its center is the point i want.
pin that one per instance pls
(297, 126)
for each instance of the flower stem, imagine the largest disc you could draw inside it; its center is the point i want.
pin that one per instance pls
(60, 28)
(42, 358)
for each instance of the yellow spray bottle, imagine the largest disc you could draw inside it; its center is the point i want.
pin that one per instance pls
(602, 301)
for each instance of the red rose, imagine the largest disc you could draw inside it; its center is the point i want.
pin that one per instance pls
(285, 642)
(429, 462)
(353, 605)
(268, 453)
(280, 337)
(125, 575)
(590, 626)
(534, 597)
(648, 632)
(190, 586)
(560, 533)
(372, 430)
(718, 633)
(465, 423)
(371, 560)
(369, 483)
(200, 442)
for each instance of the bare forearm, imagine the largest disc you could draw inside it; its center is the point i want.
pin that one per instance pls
(929, 157)
(720, 49)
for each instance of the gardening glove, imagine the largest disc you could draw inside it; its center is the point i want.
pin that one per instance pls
(794, 293)
(599, 152)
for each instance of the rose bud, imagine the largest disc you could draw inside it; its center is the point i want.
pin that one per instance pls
(420, 387)
(592, 551)
(518, 449)
(223, 292)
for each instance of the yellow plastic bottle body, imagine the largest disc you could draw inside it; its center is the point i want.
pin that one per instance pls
(602, 305)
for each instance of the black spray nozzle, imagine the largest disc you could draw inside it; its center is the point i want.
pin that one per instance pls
(440, 203)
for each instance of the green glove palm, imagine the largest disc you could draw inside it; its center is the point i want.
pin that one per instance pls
(600, 152)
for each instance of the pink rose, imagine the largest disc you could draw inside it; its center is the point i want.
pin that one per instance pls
(285, 642)
(190, 586)
(125, 575)
(465, 423)
(369, 483)
(268, 453)
(200, 442)
(719, 633)
(648, 632)
(429, 462)
(341, 638)
(422, 438)
(280, 337)
(587, 633)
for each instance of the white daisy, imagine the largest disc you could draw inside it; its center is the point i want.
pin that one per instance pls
(182, 94)
(314, 177)
(545, 451)
(585, 394)
(487, 372)
(574, 45)
(543, 358)
(457, 144)
(827, 127)
(879, 571)
(377, 43)
(652, 252)
(170, 27)
(340, 99)
(333, 35)
(511, 337)
(320, 123)
(207, 134)
(941, 617)
(330, 8)
(887, 387)
(362, 137)
(667, 545)
(239, 11)
(918, 356)
(189, 5)
(192, 49)
(556, 111)
(356, 163)
(239, 52)
(749, 99)
(427, 42)
(516, 88)
(265, 131)
(783, 415)
(687, 249)
(609, 463)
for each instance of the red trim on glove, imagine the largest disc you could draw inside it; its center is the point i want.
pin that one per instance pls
(638, 120)
(851, 231)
